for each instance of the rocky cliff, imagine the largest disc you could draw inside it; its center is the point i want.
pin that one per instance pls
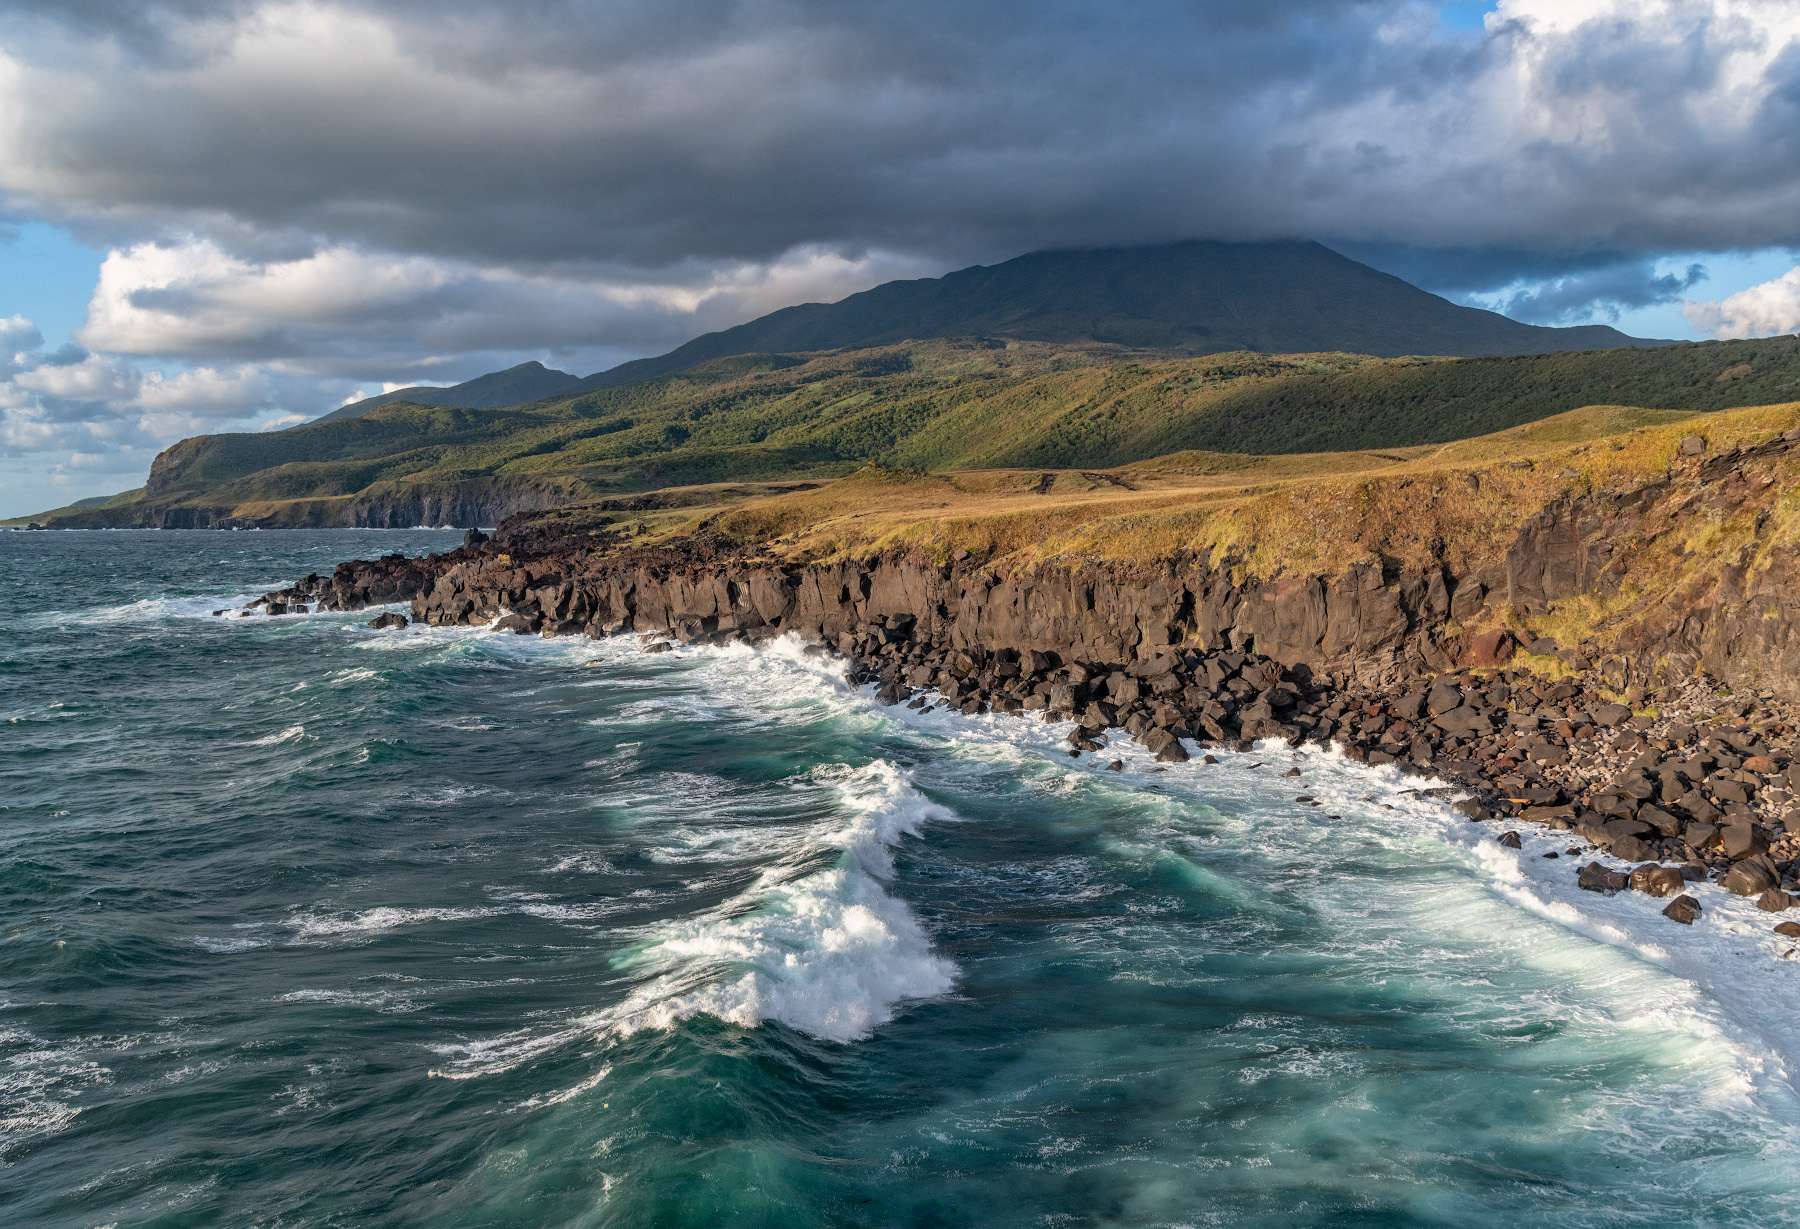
(1658, 604)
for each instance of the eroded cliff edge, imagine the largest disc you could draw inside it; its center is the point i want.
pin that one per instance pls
(1690, 568)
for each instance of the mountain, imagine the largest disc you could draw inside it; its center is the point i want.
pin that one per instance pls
(943, 405)
(527, 382)
(1195, 297)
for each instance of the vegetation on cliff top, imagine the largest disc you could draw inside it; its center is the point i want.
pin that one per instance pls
(1458, 504)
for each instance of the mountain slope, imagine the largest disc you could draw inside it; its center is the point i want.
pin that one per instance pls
(935, 405)
(1197, 297)
(527, 382)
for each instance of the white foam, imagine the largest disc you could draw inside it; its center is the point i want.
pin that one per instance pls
(829, 953)
(39, 1082)
(220, 946)
(292, 734)
(314, 927)
(826, 951)
(568, 1094)
(390, 1002)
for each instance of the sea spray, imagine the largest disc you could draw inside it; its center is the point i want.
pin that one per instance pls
(827, 951)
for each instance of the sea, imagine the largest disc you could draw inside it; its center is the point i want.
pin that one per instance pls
(307, 924)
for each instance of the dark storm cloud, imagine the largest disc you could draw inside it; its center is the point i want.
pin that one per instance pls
(650, 133)
(1555, 288)
(541, 132)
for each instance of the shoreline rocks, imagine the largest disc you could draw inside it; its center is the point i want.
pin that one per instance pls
(1638, 754)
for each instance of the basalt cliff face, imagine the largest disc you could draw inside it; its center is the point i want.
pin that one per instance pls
(1735, 614)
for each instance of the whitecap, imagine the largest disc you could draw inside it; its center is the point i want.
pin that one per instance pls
(292, 734)
(829, 953)
(321, 926)
(210, 944)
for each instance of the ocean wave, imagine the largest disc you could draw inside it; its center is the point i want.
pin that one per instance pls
(223, 946)
(292, 734)
(829, 953)
(315, 927)
(388, 1002)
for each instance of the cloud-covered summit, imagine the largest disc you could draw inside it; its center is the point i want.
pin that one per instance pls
(313, 195)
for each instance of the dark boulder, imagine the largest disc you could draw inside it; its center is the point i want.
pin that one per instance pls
(1633, 849)
(1597, 878)
(1742, 840)
(1611, 715)
(1751, 877)
(1654, 880)
(1774, 901)
(1683, 909)
(382, 622)
(1165, 747)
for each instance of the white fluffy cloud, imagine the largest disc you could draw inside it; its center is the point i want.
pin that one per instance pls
(366, 316)
(1760, 311)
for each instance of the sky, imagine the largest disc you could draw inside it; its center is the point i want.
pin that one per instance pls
(235, 215)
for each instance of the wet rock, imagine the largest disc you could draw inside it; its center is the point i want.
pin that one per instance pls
(1470, 808)
(1654, 880)
(1683, 909)
(660, 646)
(1597, 878)
(1509, 839)
(1165, 747)
(1774, 901)
(382, 622)
(1632, 849)
(521, 625)
(1751, 877)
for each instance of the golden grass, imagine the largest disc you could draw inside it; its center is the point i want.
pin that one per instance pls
(1457, 504)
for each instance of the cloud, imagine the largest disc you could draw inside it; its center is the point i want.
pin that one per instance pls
(304, 199)
(1760, 311)
(629, 133)
(344, 313)
(77, 402)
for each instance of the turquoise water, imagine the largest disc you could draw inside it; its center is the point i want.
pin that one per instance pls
(306, 924)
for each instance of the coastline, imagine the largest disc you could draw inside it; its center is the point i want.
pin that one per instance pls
(1687, 783)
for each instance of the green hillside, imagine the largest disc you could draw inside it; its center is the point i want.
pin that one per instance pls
(931, 405)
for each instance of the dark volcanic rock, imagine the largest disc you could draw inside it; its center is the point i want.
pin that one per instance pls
(1656, 880)
(1751, 877)
(1597, 878)
(1683, 909)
